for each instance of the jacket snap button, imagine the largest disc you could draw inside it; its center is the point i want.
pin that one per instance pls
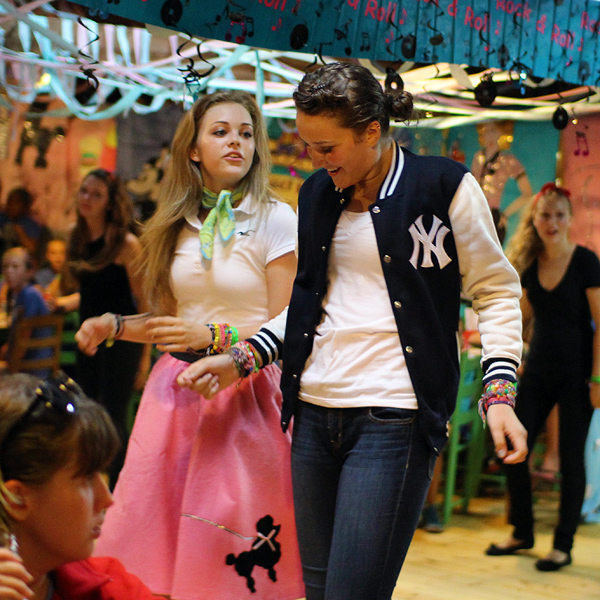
(295, 376)
(376, 210)
(387, 258)
(306, 335)
(323, 248)
(397, 304)
(409, 349)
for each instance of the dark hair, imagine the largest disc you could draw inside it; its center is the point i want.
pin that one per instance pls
(353, 95)
(53, 439)
(49, 440)
(119, 221)
(23, 196)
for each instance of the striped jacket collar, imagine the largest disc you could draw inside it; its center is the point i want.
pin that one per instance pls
(393, 175)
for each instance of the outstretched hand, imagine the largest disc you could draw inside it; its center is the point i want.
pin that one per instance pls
(503, 424)
(93, 332)
(210, 375)
(14, 578)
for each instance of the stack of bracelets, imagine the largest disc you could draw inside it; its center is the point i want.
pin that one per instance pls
(497, 391)
(223, 335)
(247, 360)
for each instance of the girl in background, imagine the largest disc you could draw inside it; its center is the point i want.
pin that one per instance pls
(561, 293)
(203, 507)
(102, 254)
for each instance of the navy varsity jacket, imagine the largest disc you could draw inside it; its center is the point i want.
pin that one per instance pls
(432, 243)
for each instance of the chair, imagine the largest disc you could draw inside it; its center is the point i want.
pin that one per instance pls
(466, 434)
(22, 341)
(68, 348)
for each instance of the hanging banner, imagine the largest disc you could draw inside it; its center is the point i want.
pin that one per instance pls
(544, 38)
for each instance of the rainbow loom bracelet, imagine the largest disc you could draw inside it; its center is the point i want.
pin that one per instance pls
(497, 391)
(246, 358)
(223, 337)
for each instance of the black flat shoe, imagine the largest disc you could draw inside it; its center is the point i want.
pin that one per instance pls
(494, 550)
(546, 564)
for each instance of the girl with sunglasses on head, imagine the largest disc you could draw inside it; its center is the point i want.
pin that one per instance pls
(203, 481)
(54, 446)
(561, 295)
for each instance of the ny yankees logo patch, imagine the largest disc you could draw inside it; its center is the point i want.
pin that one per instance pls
(432, 241)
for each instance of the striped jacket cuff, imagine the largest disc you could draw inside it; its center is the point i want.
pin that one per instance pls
(267, 345)
(500, 368)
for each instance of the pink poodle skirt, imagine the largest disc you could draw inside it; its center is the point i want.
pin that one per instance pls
(203, 506)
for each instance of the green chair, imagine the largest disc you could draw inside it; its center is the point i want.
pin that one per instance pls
(466, 438)
(68, 347)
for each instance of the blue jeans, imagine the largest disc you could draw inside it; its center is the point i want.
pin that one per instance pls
(360, 477)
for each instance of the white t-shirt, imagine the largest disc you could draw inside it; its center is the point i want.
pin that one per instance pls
(357, 359)
(232, 287)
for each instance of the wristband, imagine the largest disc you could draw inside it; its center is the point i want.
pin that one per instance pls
(497, 391)
(110, 340)
(246, 358)
(594, 379)
(224, 336)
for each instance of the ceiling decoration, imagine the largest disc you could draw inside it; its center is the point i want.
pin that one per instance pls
(101, 64)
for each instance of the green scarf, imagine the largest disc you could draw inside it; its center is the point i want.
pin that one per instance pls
(220, 216)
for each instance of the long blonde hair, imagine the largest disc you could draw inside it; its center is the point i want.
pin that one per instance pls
(181, 190)
(526, 245)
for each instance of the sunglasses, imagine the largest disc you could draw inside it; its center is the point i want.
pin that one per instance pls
(58, 394)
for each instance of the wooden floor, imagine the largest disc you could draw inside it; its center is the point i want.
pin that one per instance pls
(452, 565)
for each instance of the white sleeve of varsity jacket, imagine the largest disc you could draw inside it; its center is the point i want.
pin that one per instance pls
(487, 276)
(269, 340)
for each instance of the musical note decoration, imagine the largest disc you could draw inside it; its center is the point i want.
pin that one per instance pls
(438, 38)
(342, 34)
(409, 46)
(299, 36)
(558, 39)
(503, 56)
(366, 42)
(584, 71)
(171, 12)
(247, 27)
(582, 144)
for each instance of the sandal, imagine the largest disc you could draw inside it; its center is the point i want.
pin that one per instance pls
(494, 550)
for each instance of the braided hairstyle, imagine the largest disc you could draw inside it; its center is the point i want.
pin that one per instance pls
(353, 95)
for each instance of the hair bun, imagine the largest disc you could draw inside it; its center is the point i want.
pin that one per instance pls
(399, 105)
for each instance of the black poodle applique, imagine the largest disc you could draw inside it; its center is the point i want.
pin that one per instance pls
(265, 552)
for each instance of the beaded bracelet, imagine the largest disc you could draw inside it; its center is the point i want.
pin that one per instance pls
(223, 337)
(497, 391)
(247, 360)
